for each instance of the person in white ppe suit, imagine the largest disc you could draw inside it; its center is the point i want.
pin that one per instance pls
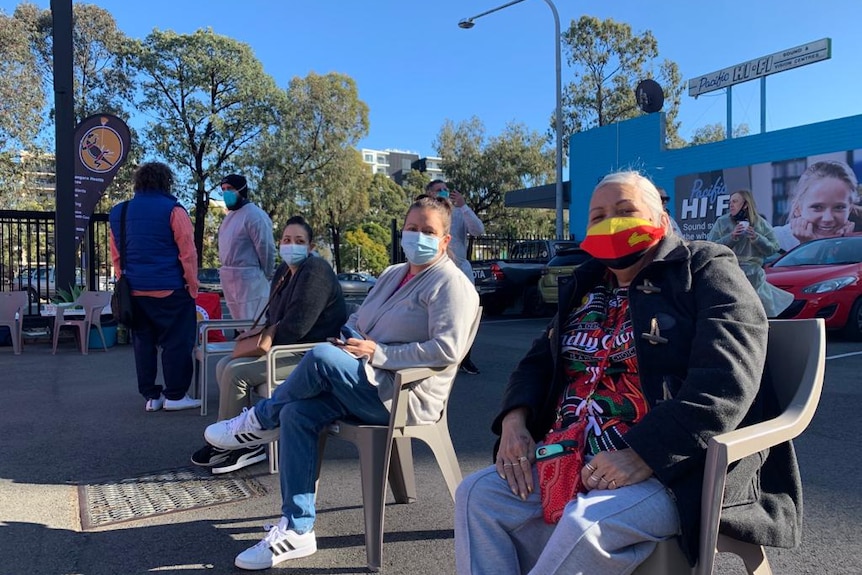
(246, 249)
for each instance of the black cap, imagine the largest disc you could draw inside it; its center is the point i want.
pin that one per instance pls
(237, 182)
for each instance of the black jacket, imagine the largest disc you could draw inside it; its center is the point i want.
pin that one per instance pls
(700, 335)
(309, 307)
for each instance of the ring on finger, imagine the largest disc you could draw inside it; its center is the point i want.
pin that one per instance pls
(595, 479)
(612, 484)
(508, 465)
(522, 459)
(590, 467)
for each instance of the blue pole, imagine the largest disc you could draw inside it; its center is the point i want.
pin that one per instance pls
(729, 112)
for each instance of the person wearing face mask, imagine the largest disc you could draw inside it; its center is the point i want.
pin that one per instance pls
(752, 239)
(246, 250)
(307, 305)
(464, 222)
(419, 314)
(658, 345)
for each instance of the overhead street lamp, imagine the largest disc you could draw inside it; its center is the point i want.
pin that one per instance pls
(468, 23)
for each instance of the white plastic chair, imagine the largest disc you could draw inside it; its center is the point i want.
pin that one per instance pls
(796, 357)
(93, 303)
(12, 304)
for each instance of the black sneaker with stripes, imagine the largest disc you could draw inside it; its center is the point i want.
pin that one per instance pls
(209, 456)
(239, 458)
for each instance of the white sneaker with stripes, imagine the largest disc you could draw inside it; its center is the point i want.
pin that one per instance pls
(242, 431)
(280, 544)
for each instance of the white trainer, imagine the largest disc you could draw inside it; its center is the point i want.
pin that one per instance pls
(242, 431)
(179, 404)
(155, 404)
(279, 545)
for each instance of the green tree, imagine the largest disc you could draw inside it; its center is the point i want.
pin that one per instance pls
(386, 200)
(102, 82)
(319, 119)
(361, 252)
(22, 92)
(336, 198)
(209, 97)
(609, 61)
(716, 133)
(414, 183)
(485, 168)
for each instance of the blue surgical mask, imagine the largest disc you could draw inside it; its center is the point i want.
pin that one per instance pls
(293, 254)
(444, 193)
(419, 248)
(230, 198)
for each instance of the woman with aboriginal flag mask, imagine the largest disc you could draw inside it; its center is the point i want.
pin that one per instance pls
(658, 345)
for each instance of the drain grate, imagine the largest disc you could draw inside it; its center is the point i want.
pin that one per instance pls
(114, 501)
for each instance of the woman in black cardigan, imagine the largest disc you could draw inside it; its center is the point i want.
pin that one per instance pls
(307, 306)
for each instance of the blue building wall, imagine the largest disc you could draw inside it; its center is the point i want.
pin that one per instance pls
(638, 144)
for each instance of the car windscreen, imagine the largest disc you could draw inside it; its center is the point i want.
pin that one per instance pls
(833, 251)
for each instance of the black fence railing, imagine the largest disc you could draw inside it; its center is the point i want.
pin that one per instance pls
(27, 256)
(487, 247)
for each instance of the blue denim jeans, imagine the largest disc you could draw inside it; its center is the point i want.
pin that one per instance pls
(328, 384)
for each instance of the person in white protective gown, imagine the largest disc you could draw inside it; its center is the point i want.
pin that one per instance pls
(246, 249)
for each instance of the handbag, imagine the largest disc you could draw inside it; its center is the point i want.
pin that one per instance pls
(121, 300)
(560, 456)
(559, 460)
(256, 341)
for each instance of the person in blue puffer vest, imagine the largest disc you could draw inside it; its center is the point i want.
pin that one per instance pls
(160, 263)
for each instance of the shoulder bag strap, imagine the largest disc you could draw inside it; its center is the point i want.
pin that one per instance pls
(122, 250)
(275, 290)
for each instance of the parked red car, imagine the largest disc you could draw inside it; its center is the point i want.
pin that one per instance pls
(825, 278)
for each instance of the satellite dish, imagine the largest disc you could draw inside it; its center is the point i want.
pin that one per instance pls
(650, 96)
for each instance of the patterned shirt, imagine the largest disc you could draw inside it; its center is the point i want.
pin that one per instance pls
(607, 393)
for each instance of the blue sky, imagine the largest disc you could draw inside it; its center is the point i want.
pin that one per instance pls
(415, 68)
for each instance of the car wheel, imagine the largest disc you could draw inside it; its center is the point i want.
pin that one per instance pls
(853, 329)
(493, 305)
(534, 304)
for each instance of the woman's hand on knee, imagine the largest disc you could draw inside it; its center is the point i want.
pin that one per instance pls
(614, 469)
(515, 456)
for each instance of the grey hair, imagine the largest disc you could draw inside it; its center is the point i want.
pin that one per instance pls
(648, 190)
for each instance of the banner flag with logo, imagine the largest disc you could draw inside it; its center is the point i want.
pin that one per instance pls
(101, 145)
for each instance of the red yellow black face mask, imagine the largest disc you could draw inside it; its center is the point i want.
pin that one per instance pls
(620, 242)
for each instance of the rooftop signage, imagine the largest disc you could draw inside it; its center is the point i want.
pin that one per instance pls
(779, 62)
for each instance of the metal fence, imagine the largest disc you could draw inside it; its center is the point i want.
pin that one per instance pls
(27, 256)
(487, 247)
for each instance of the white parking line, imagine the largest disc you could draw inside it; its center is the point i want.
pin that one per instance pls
(840, 355)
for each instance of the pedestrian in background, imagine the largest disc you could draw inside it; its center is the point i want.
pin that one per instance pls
(665, 200)
(246, 249)
(464, 221)
(752, 239)
(161, 265)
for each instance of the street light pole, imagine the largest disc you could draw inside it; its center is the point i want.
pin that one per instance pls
(468, 23)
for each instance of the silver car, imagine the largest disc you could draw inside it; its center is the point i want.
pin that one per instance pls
(356, 284)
